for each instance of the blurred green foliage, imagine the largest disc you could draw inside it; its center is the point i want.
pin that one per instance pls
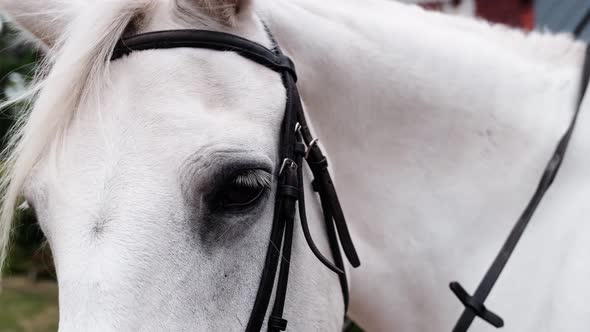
(17, 61)
(29, 253)
(26, 304)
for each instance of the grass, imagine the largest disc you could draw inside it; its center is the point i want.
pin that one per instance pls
(28, 307)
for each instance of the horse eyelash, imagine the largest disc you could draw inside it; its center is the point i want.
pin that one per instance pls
(253, 179)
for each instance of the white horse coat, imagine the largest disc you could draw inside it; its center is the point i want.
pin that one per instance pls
(438, 129)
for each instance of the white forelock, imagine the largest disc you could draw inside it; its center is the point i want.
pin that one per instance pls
(73, 72)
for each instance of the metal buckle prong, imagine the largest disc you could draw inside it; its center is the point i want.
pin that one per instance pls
(287, 163)
(310, 146)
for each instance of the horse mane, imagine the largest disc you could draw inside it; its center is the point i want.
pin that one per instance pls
(73, 72)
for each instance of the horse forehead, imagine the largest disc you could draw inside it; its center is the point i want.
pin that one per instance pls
(171, 102)
(210, 80)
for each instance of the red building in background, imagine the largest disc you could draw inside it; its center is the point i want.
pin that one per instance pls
(516, 13)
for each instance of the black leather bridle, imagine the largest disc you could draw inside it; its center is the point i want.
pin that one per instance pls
(296, 144)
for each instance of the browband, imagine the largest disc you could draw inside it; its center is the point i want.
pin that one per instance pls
(212, 40)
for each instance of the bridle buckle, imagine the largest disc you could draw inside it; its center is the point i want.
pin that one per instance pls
(287, 163)
(311, 144)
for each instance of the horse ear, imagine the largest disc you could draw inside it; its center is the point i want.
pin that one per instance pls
(44, 20)
(227, 12)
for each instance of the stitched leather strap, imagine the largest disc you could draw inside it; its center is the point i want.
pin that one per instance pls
(212, 40)
(277, 323)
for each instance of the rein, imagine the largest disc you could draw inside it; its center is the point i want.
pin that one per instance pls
(296, 145)
(474, 305)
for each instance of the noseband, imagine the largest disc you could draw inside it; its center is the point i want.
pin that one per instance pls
(296, 144)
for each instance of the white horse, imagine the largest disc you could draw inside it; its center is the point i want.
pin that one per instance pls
(438, 129)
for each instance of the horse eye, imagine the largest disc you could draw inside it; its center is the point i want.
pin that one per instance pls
(236, 196)
(243, 189)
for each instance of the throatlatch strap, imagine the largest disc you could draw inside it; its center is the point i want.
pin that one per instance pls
(474, 305)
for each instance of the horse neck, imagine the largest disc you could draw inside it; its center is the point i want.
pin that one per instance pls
(429, 121)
